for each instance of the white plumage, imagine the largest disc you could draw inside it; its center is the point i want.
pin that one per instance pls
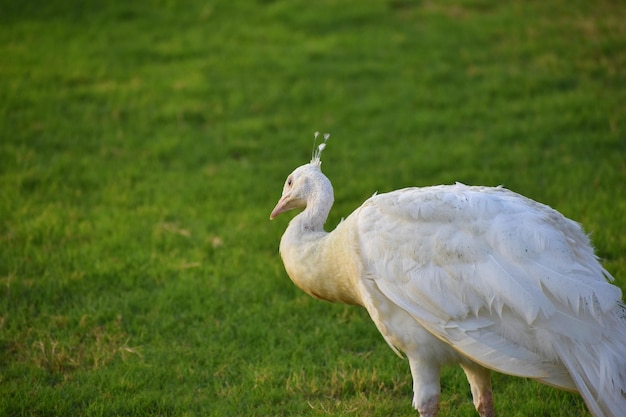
(478, 276)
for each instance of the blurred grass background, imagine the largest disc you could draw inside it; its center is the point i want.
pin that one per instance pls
(143, 145)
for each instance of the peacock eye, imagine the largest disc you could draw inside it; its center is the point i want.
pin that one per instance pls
(289, 182)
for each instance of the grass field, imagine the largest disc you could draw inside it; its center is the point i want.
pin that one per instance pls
(144, 143)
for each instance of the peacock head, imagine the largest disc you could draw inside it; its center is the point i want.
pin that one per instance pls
(305, 184)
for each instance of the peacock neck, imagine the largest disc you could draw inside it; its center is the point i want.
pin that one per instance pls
(316, 261)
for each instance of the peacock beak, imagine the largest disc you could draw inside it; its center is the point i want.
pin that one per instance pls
(281, 207)
(288, 202)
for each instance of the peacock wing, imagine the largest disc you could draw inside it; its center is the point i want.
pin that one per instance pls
(502, 279)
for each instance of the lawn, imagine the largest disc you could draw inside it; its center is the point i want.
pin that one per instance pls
(144, 143)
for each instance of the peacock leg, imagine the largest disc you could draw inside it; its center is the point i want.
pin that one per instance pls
(426, 388)
(480, 384)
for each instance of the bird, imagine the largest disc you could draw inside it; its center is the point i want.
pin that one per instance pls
(477, 276)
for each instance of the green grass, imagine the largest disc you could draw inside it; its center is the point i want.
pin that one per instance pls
(143, 145)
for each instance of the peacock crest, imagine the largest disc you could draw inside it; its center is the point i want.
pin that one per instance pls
(317, 152)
